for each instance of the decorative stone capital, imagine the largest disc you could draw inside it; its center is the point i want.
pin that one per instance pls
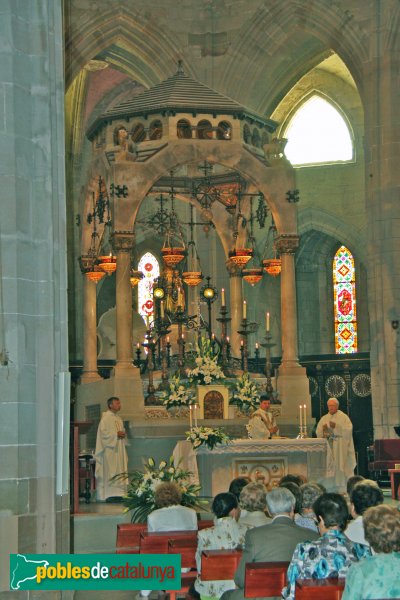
(287, 243)
(233, 270)
(122, 241)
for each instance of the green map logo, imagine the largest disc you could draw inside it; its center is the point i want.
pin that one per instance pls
(95, 571)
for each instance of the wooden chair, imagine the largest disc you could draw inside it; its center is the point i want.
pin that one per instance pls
(187, 549)
(320, 589)
(265, 579)
(219, 564)
(128, 537)
(157, 542)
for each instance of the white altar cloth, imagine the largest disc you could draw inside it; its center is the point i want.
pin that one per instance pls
(215, 469)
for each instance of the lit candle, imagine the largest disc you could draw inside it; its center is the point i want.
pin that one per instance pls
(190, 417)
(267, 321)
(244, 309)
(241, 342)
(195, 415)
(256, 345)
(223, 297)
(301, 416)
(138, 345)
(305, 417)
(227, 339)
(180, 298)
(183, 336)
(213, 336)
(162, 309)
(167, 339)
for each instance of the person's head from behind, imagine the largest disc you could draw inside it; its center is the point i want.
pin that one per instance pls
(280, 501)
(365, 495)
(331, 512)
(237, 485)
(297, 479)
(252, 497)
(114, 404)
(294, 488)
(310, 492)
(351, 482)
(382, 528)
(225, 505)
(167, 494)
(333, 405)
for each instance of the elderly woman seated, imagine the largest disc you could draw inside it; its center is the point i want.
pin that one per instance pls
(310, 492)
(332, 554)
(253, 503)
(377, 576)
(170, 515)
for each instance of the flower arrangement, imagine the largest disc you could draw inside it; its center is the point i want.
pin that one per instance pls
(179, 394)
(142, 485)
(207, 436)
(207, 368)
(245, 394)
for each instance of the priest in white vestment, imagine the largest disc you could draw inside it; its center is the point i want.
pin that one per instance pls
(262, 424)
(111, 457)
(337, 428)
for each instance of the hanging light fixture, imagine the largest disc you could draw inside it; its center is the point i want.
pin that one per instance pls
(193, 276)
(254, 273)
(96, 274)
(135, 277)
(272, 266)
(108, 263)
(173, 255)
(240, 255)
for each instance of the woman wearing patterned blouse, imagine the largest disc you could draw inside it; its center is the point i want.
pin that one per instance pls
(332, 554)
(377, 576)
(227, 534)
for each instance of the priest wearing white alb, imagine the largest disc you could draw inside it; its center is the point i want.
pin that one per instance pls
(111, 457)
(337, 428)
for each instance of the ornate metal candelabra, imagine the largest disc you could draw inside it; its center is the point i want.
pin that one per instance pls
(224, 320)
(268, 365)
(180, 319)
(244, 349)
(150, 345)
(162, 325)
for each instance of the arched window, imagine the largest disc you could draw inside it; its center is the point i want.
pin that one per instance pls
(138, 134)
(224, 131)
(184, 129)
(255, 138)
(246, 134)
(344, 292)
(156, 130)
(318, 133)
(150, 268)
(204, 130)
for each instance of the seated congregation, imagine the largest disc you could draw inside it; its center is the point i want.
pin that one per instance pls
(286, 542)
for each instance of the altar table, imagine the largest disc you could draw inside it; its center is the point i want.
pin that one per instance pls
(265, 461)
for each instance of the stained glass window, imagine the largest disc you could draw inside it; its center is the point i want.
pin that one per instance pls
(344, 290)
(150, 268)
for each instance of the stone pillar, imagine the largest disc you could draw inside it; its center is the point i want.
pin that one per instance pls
(123, 244)
(90, 372)
(236, 306)
(287, 245)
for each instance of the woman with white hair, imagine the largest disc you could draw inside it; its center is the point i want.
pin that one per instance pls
(253, 501)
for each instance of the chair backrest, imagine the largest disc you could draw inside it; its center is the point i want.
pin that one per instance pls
(157, 542)
(265, 579)
(320, 589)
(219, 564)
(205, 523)
(186, 548)
(128, 537)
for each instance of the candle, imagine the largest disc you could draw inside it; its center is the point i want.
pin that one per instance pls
(301, 416)
(213, 336)
(244, 309)
(256, 345)
(147, 321)
(190, 416)
(305, 417)
(180, 298)
(138, 345)
(167, 339)
(267, 321)
(195, 415)
(227, 339)
(241, 343)
(223, 297)
(162, 309)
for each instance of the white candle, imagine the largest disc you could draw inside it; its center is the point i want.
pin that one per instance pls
(267, 321)
(190, 417)
(162, 309)
(180, 298)
(305, 417)
(244, 309)
(222, 297)
(256, 345)
(301, 415)
(195, 415)
(227, 339)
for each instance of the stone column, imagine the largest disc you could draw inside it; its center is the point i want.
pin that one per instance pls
(90, 372)
(236, 306)
(123, 244)
(287, 245)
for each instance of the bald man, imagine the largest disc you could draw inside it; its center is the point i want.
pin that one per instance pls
(337, 428)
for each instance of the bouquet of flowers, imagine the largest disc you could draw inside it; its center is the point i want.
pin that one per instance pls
(207, 368)
(179, 394)
(245, 394)
(207, 436)
(141, 487)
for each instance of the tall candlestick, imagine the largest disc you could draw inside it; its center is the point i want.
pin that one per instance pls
(190, 417)
(180, 298)
(162, 309)
(301, 416)
(195, 415)
(244, 309)
(223, 297)
(305, 417)
(267, 321)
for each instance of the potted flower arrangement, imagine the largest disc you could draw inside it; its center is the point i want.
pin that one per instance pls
(207, 436)
(245, 394)
(141, 487)
(179, 396)
(207, 369)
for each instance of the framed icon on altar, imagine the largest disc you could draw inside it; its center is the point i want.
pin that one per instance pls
(213, 401)
(262, 470)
